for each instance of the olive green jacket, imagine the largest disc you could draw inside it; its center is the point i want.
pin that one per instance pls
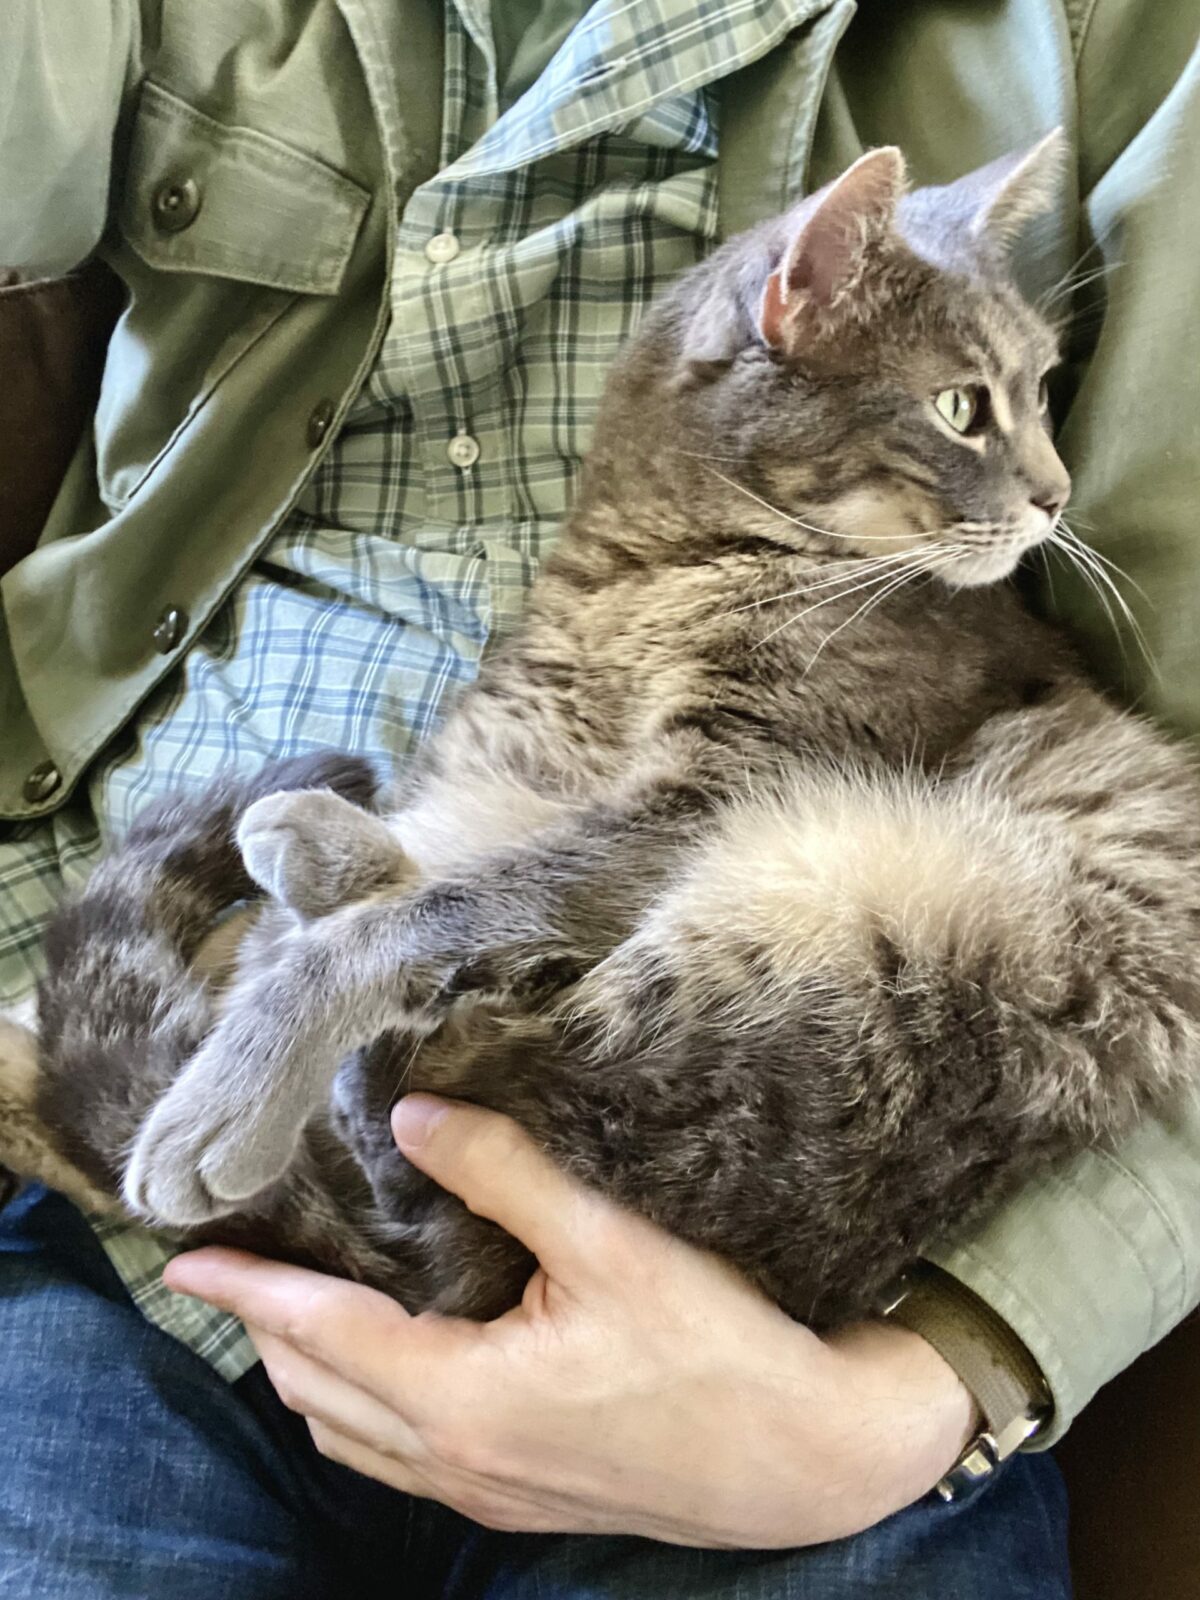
(225, 158)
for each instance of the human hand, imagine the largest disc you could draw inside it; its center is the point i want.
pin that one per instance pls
(641, 1387)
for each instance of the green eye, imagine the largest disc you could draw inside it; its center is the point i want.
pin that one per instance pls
(963, 408)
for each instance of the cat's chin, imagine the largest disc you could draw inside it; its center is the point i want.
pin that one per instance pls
(976, 572)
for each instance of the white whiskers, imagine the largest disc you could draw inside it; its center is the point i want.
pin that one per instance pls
(945, 558)
(881, 575)
(799, 522)
(1099, 573)
(1077, 274)
(880, 584)
(848, 569)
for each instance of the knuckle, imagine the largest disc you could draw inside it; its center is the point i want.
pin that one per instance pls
(313, 1316)
(491, 1142)
(460, 1445)
(610, 1240)
(327, 1442)
(286, 1389)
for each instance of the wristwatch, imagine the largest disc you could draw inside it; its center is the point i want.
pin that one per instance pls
(996, 1368)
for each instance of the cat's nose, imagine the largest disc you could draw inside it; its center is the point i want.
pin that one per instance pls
(1051, 501)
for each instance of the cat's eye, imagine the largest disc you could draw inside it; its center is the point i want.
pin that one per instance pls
(964, 407)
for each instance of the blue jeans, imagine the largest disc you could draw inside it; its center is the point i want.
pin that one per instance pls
(129, 1469)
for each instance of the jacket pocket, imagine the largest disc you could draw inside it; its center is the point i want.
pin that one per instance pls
(217, 229)
(234, 203)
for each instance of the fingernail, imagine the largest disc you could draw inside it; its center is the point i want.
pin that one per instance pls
(414, 1118)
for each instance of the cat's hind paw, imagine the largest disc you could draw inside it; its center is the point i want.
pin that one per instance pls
(162, 1182)
(315, 852)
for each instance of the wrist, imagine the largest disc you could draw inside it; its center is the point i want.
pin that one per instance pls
(909, 1413)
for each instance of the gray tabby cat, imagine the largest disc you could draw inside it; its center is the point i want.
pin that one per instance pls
(783, 876)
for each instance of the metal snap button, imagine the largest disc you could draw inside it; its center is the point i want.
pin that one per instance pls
(169, 629)
(41, 783)
(443, 247)
(318, 422)
(463, 451)
(176, 204)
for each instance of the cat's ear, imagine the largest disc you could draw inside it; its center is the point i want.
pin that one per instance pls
(1006, 194)
(828, 251)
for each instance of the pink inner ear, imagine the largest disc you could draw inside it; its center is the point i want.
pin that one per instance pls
(827, 255)
(825, 258)
(772, 316)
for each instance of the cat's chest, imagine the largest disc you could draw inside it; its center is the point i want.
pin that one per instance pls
(596, 690)
(910, 678)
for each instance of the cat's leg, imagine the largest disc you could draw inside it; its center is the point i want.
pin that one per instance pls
(129, 985)
(313, 851)
(26, 1148)
(229, 1127)
(187, 841)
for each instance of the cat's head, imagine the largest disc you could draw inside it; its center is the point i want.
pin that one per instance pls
(866, 366)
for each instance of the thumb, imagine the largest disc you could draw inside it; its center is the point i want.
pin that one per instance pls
(497, 1170)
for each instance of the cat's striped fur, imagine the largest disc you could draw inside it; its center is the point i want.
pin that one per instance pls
(801, 925)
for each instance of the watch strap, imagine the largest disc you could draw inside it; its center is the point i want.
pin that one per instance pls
(987, 1355)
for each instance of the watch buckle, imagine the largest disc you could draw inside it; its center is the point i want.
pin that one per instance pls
(984, 1454)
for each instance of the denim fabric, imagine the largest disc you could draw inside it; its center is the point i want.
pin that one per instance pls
(129, 1469)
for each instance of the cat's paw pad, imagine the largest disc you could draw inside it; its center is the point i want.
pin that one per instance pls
(201, 1154)
(315, 852)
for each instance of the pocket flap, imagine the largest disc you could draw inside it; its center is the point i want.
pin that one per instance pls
(231, 202)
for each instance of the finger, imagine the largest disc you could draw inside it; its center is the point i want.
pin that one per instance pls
(321, 1394)
(495, 1167)
(362, 1334)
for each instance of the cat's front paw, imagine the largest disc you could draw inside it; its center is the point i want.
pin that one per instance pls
(206, 1150)
(163, 1182)
(315, 852)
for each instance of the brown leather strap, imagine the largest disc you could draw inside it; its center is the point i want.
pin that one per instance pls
(980, 1346)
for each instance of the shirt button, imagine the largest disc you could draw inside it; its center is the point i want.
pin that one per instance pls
(169, 629)
(176, 205)
(42, 782)
(442, 247)
(318, 423)
(463, 451)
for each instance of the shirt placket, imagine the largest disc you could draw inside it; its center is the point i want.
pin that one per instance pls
(439, 298)
(449, 342)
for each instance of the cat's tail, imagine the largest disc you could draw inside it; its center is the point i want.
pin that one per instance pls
(27, 1150)
(125, 1000)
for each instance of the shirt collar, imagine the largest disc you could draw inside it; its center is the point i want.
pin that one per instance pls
(618, 66)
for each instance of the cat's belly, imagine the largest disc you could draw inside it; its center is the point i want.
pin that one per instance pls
(456, 820)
